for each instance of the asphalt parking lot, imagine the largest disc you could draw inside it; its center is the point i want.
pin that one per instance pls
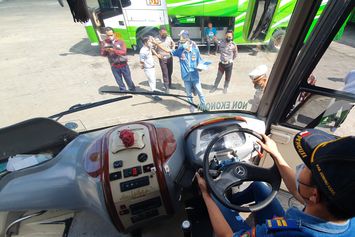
(47, 65)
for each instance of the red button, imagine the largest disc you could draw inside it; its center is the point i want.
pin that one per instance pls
(134, 172)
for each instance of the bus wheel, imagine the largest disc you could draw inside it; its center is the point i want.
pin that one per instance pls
(143, 33)
(276, 40)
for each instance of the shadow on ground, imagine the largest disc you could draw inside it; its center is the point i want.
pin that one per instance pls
(170, 103)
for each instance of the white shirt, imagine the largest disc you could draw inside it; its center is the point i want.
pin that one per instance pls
(146, 57)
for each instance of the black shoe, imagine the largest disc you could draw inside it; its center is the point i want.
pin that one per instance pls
(213, 89)
(172, 87)
(157, 98)
(132, 89)
(225, 90)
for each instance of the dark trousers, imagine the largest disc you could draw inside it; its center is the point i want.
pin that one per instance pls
(224, 68)
(126, 74)
(166, 66)
(209, 41)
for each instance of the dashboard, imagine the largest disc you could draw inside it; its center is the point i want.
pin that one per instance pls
(131, 174)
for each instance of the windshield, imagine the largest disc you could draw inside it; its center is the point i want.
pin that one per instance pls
(219, 61)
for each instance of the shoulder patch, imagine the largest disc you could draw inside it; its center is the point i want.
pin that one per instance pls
(282, 224)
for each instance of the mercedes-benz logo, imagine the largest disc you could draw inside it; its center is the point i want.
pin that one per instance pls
(240, 171)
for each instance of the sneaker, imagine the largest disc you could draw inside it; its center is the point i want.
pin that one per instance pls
(192, 109)
(166, 90)
(213, 89)
(225, 90)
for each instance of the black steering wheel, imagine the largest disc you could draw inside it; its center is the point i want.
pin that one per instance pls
(237, 173)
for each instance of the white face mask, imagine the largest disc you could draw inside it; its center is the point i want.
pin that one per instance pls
(150, 44)
(299, 168)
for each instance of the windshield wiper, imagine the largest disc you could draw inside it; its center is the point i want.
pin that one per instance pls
(158, 93)
(80, 107)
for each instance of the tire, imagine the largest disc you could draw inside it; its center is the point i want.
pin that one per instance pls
(147, 31)
(276, 40)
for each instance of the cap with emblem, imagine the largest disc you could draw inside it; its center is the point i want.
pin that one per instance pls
(332, 163)
(184, 35)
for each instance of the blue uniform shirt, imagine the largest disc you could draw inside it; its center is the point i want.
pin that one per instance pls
(210, 33)
(308, 226)
(189, 62)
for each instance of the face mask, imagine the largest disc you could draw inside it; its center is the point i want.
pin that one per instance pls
(299, 168)
(228, 39)
(185, 45)
(111, 38)
(150, 45)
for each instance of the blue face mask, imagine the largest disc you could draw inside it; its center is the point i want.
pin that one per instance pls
(299, 168)
(185, 45)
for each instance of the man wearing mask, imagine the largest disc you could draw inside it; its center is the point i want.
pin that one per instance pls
(115, 50)
(228, 50)
(165, 59)
(147, 63)
(324, 183)
(189, 57)
(211, 37)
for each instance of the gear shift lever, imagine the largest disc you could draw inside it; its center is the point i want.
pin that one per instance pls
(186, 228)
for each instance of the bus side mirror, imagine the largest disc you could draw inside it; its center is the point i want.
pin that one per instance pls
(260, 14)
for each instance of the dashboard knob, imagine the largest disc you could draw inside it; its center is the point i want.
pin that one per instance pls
(127, 137)
(142, 157)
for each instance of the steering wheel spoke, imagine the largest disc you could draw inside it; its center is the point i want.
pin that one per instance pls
(236, 173)
(224, 181)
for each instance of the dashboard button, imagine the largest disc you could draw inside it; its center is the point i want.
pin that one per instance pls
(124, 212)
(147, 168)
(115, 176)
(117, 164)
(135, 183)
(142, 157)
(134, 171)
(127, 172)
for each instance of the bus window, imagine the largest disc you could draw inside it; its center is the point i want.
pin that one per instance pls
(326, 101)
(326, 113)
(115, 5)
(339, 67)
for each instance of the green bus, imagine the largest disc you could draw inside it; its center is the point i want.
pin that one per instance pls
(259, 22)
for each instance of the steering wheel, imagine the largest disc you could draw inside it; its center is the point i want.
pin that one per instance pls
(237, 173)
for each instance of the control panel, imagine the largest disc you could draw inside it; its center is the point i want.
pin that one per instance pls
(132, 172)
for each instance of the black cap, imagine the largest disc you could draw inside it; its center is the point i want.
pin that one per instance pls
(332, 163)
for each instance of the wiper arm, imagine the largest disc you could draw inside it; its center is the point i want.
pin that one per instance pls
(158, 93)
(80, 107)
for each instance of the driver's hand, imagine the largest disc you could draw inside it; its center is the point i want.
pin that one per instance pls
(201, 183)
(269, 145)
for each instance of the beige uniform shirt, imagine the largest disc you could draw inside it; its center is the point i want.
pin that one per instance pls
(167, 43)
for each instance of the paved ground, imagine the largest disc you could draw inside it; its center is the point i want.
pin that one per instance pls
(48, 65)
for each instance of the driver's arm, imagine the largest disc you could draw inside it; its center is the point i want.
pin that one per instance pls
(287, 173)
(219, 223)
